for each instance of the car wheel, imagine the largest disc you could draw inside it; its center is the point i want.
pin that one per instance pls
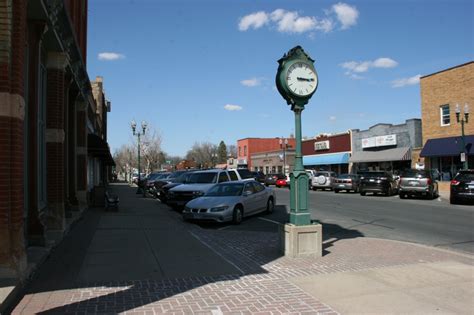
(402, 196)
(336, 191)
(270, 205)
(362, 193)
(314, 188)
(453, 200)
(237, 216)
(388, 192)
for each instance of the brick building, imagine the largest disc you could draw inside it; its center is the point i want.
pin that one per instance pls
(248, 146)
(442, 143)
(329, 152)
(51, 126)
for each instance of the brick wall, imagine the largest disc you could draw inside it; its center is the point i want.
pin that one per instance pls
(455, 85)
(337, 143)
(12, 50)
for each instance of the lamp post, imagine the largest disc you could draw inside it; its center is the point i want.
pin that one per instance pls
(133, 124)
(464, 157)
(284, 146)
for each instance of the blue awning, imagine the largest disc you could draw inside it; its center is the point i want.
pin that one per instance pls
(447, 146)
(326, 159)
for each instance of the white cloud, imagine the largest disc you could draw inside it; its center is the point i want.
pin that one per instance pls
(292, 22)
(346, 14)
(232, 108)
(384, 63)
(109, 56)
(254, 20)
(406, 81)
(251, 82)
(355, 67)
(332, 118)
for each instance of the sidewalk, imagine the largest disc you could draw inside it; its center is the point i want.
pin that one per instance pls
(144, 260)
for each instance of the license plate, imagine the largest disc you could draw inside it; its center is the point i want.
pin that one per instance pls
(471, 186)
(413, 183)
(371, 180)
(341, 185)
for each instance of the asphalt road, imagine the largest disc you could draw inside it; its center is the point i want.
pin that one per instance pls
(344, 215)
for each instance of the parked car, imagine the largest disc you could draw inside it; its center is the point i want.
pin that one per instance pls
(231, 201)
(162, 192)
(417, 182)
(242, 173)
(271, 179)
(462, 187)
(282, 181)
(378, 182)
(149, 181)
(259, 176)
(196, 186)
(323, 180)
(164, 180)
(347, 182)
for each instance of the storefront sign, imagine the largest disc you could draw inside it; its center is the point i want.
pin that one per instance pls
(379, 141)
(321, 145)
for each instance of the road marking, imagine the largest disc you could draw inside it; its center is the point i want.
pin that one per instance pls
(272, 221)
(217, 253)
(225, 227)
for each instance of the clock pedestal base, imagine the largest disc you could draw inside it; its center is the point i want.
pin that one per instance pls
(301, 241)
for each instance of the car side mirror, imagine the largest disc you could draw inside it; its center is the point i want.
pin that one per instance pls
(247, 193)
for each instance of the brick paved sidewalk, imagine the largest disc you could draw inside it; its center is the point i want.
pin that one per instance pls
(259, 284)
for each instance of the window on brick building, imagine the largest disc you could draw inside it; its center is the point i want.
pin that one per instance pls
(444, 114)
(41, 134)
(245, 150)
(240, 151)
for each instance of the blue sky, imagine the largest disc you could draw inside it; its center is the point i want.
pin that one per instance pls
(204, 70)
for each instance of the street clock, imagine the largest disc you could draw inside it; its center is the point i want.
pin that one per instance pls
(296, 78)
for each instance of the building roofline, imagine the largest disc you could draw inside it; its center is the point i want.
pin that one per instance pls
(448, 69)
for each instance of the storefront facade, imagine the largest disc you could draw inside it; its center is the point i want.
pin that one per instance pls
(442, 95)
(385, 147)
(273, 162)
(328, 152)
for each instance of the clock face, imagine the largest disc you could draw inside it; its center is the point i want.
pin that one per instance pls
(301, 79)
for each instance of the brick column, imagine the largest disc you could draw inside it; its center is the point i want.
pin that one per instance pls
(81, 152)
(12, 111)
(55, 100)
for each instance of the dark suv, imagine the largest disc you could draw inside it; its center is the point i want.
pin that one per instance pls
(377, 182)
(462, 187)
(417, 182)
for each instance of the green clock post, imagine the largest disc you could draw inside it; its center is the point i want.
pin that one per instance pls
(296, 80)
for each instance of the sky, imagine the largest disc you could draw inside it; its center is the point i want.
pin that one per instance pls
(204, 71)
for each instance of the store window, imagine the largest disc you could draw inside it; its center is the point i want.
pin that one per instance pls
(444, 114)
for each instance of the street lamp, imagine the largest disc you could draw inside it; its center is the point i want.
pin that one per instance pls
(284, 146)
(133, 124)
(464, 157)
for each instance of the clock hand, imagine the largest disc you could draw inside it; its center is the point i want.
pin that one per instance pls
(305, 79)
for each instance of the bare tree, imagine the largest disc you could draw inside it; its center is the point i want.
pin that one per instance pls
(204, 154)
(150, 150)
(125, 159)
(232, 150)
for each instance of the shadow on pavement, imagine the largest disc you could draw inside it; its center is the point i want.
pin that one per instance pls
(175, 257)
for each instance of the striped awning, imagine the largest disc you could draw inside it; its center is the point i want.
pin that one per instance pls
(395, 154)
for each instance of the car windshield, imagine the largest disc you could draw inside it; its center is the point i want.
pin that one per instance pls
(465, 177)
(227, 189)
(375, 174)
(244, 173)
(153, 176)
(344, 176)
(203, 178)
(415, 173)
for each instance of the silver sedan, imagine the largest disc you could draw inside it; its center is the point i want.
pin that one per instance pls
(231, 201)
